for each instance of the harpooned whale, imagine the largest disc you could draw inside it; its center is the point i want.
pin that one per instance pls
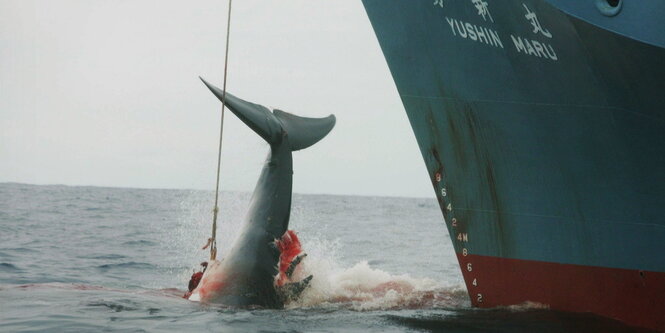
(247, 274)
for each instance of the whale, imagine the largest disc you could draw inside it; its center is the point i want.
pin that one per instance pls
(247, 274)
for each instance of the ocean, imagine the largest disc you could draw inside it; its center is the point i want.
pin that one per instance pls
(90, 259)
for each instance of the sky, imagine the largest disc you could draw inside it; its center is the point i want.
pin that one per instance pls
(106, 93)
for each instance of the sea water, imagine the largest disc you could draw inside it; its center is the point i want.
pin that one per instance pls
(89, 259)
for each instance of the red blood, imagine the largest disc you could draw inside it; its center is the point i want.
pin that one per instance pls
(194, 281)
(289, 247)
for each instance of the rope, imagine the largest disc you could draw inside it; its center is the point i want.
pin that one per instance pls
(213, 239)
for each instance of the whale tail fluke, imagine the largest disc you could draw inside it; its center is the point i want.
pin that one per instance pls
(257, 117)
(302, 132)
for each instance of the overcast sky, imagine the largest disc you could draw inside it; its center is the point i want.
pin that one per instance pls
(107, 93)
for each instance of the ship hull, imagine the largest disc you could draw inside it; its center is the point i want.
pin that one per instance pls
(541, 124)
(614, 293)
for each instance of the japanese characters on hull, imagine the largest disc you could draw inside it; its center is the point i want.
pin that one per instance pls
(537, 45)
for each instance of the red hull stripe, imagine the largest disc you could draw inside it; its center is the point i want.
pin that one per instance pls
(632, 296)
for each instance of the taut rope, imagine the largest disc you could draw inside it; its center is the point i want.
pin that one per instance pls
(213, 239)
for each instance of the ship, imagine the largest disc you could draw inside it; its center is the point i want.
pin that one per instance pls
(542, 127)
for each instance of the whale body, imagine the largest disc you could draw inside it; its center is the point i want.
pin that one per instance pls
(246, 275)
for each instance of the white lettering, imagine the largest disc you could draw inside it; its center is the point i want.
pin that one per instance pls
(539, 48)
(474, 32)
(531, 16)
(483, 11)
(518, 44)
(471, 30)
(463, 34)
(550, 52)
(495, 38)
(450, 21)
(534, 48)
(481, 35)
(529, 48)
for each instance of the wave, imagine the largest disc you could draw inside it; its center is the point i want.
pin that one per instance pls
(7, 267)
(126, 265)
(104, 256)
(21, 250)
(115, 306)
(141, 242)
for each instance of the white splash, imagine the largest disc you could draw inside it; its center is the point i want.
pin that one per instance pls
(362, 288)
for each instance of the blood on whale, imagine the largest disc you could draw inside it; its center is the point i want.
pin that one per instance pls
(289, 248)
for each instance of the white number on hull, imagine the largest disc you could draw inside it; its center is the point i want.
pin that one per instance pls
(480, 298)
(469, 267)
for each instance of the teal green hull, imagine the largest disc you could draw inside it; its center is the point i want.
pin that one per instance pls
(542, 126)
